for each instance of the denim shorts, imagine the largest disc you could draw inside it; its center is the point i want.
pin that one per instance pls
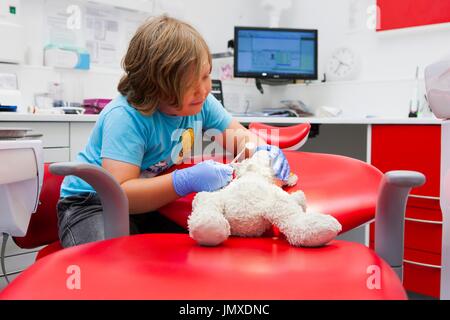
(80, 221)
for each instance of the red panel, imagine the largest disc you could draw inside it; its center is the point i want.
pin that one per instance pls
(173, 266)
(419, 235)
(423, 236)
(51, 248)
(284, 137)
(422, 279)
(424, 209)
(422, 257)
(395, 14)
(409, 147)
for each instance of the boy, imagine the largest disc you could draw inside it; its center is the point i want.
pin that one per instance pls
(165, 91)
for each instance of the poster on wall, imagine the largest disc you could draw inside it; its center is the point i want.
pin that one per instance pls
(398, 14)
(103, 30)
(63, 23)
(102, 35)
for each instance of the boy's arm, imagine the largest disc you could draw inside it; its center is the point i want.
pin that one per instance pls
(236, 136)
(144, 195)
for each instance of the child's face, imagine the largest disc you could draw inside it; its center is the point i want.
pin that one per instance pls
(194, 97)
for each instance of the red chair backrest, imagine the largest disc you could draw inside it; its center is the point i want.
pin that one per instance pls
(43, 227)
(283, 137)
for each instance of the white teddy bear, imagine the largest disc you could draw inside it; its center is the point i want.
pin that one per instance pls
(252, 203)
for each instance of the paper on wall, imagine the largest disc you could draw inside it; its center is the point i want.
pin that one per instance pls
(102, 34)
(57, 18)
(104, 30)
(8, 81)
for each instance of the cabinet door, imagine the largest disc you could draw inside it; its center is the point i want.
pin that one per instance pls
(409, 147)
(56, 155)
(79, 136)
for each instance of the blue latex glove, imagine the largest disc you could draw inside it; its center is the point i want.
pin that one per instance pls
(280, 164)
(208, 175)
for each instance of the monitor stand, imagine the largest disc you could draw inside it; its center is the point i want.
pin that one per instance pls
(271, 82)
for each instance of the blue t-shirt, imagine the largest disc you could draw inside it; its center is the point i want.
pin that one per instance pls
(154, 143)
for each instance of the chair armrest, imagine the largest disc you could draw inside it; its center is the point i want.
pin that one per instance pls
(390, 214)
(113, 198)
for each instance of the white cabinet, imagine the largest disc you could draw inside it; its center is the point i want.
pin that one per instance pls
(61, 140)
(56, 155)
(79, 136)
(54, 134)
(55, 137)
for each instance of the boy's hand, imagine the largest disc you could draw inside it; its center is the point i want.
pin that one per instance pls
(208, 175)
(280, 164)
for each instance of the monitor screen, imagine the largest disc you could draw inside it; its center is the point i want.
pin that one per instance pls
(275, 53)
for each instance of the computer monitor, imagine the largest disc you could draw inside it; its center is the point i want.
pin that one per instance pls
(275, 53)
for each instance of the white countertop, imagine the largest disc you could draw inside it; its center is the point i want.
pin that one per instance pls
(339, 120)
(11, 116)
(19, 117)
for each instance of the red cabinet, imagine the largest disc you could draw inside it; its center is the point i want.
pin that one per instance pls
(415, 147)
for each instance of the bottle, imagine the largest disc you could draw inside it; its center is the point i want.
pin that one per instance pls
(414, 102)
(56, 93)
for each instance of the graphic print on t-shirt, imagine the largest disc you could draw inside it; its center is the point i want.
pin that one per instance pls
(185, 144)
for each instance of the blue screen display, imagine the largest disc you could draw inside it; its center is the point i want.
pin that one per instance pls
(276, 52)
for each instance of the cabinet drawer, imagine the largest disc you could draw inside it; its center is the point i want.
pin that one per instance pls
(56, 155)
(409, 147)
(19, 262)
(79, 136)
(423, 235)
(422, 273)
(54, 134)
(423, 209)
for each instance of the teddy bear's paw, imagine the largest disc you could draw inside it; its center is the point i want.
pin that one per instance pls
(292, 180)
(313, 230)
(211, 232)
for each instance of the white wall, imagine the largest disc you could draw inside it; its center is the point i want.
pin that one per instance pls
(214, 19)
(383, 87)
(386, 55)
(389, 59)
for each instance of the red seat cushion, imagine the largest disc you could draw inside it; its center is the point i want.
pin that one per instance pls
(283, 137)
(169, 266)
(344, 187)
(51, 248)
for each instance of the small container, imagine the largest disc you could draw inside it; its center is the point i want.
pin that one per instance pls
(94, 106)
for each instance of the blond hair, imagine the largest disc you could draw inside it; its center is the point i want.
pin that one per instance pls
(163, 60)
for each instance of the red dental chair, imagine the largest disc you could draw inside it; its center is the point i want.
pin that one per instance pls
(173, 266)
